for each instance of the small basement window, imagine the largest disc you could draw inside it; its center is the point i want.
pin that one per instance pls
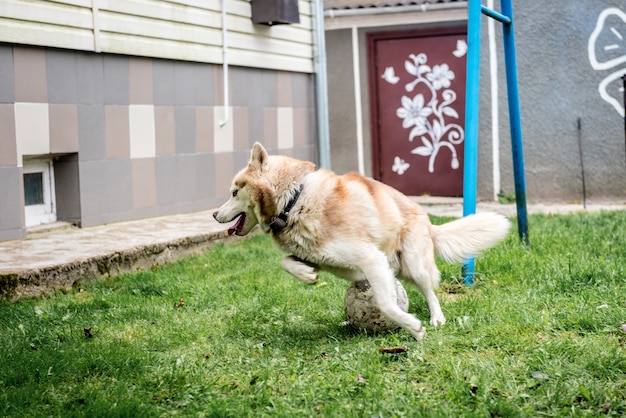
(39, 201)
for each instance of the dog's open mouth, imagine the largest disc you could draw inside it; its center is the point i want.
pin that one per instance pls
(241, 220)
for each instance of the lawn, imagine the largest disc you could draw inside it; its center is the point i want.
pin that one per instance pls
(229, 334)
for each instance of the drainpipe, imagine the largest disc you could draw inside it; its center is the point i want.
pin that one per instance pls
(495, 107)
(356, 72)
(321, 84)
(224, 121)
(95, 16)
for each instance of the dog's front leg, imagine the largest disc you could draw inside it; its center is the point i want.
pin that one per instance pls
(299, 269)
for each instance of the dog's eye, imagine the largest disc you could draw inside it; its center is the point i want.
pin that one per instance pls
(235, 192)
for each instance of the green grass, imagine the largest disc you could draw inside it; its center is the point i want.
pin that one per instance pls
(538, 335)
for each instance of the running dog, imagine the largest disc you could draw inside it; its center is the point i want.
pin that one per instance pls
(354, 227)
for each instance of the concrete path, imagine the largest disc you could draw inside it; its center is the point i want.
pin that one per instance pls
(56, 258)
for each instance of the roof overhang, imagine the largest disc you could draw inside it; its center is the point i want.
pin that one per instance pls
(335, 18)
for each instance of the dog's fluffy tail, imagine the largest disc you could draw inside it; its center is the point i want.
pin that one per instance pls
(468, 236)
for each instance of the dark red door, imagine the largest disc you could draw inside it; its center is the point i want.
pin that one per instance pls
(417, 102)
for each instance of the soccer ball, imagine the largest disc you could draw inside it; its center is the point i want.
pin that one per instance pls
(361, 311)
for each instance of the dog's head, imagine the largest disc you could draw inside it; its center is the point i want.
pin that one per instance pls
(251, 201)
(261, 190)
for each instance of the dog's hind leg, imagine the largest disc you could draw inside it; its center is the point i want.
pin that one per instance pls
(299, 269)
(382, 282)
(418, 265)
(425, 286)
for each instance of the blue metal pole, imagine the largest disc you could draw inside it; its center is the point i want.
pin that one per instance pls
(472, 95)
(515, 121)
(495, 15)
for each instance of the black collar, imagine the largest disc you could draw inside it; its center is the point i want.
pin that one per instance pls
(280, 222)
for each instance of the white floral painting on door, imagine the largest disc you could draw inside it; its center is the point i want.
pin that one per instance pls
(431, 117)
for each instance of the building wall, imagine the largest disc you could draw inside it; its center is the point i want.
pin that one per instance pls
(342, 117)
(559, 82)
(135, 137)
(188, 30)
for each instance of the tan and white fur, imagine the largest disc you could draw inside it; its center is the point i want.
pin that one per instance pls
(354, 227)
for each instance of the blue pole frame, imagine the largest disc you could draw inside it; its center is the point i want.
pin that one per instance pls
(475, 9)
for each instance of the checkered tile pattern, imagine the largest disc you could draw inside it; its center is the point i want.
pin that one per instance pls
(146, 134)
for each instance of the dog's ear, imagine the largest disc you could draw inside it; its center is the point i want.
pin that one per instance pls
(258, 157)
(262, 194)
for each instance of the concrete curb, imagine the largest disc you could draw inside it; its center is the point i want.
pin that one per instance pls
(44, 281)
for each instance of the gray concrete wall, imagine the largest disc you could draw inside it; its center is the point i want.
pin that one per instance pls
(557, 86)
(342, 119)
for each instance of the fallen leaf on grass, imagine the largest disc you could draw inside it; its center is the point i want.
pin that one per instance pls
(361, 379)
(393, 350)
(498, 392)
(180, 303)
(456, 288)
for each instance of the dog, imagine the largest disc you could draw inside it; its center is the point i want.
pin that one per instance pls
(353, 227)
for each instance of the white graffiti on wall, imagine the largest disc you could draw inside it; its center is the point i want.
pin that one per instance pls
(428, 114)
(607, 51)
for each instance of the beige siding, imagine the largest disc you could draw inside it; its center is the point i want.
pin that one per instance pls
(65, 25)
(176, 29)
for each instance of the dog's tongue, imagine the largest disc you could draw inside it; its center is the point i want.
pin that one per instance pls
(238, 225)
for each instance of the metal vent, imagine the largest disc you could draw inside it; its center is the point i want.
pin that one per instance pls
(275, 12)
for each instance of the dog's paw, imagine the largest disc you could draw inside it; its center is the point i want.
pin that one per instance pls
(437, 320)
(300, 270)
(419, 334)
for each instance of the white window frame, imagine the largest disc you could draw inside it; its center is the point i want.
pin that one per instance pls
(46, 212)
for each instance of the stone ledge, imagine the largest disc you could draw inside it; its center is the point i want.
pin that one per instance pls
(44, 281)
